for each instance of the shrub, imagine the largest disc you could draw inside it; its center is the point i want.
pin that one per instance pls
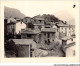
(52, 46)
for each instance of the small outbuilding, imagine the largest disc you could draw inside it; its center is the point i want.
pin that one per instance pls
(24, 47)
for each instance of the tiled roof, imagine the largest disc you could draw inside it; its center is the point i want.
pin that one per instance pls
(38, 23)
(50, 23)
(48, 30)
(39, 18)
(30, 31)
(53, 23)
(24, 42)
(47, 25)
(62, 25)
(72, 26)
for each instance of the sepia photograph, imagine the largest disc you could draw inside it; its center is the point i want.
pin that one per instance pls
(38, 29)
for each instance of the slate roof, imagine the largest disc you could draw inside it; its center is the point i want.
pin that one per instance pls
(30, 31)
(37, 23)
(48, 30)
(72, 26)
(62, 25)
(24, 42)
(47, 25)
(39, 18)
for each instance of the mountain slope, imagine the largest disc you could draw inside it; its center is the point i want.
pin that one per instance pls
(65, 16)
(12, 12)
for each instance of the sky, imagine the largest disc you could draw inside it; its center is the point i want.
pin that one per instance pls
(33, 8)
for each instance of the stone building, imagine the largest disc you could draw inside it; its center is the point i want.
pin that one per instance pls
(48, 35)
(19, 25)
(14, 26)
(63, 30)
(23, 47)
(68, 45)
(40, 32)
(11, 26)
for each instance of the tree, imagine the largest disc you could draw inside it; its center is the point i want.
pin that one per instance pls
(65, 22)
(48, 18)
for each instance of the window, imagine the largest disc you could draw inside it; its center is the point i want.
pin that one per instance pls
(21, 22)
(73, 52)
(44, 33)
(11, 26)
(28, 35)
(39, 35)
(57, 30)
(71, 39)
(65, 31)
(65, 34)
(30, 25)
(39, 20)
(48, 35)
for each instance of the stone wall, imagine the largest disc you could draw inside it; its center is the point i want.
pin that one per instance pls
(23, 50)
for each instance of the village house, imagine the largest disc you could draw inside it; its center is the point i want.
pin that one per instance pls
(20, 25)
(26, 19)
(68, 45)
(72, 30)
(14, 26)
(32, 30)
(35, 23)
(63, 30)
(40, 32)
(48, 35)
(38, 23)
(11, 25)
(30, 34)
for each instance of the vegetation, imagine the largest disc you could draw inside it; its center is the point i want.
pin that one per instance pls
(48, 18)
(54, 49)
(51, 46)
(10, 49)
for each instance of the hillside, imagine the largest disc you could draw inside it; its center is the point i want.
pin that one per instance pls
(12, 12)
(48, 18)
(65, 16)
